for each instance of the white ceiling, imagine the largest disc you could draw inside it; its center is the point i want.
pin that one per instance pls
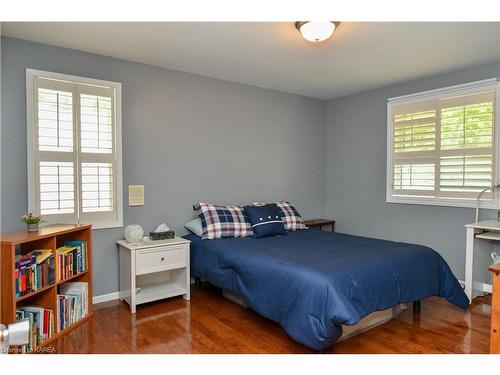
(359, 57)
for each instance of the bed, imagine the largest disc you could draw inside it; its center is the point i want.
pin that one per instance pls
(314, 282)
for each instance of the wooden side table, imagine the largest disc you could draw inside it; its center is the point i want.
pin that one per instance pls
(495, 311)
(320, 223)
(153, 270)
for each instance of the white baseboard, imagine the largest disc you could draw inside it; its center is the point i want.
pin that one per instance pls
(485, 288)
(105, 297)
(113, 296)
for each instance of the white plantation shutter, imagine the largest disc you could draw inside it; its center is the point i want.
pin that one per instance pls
(442, 146)
(74, 149)
(97, 187)
(96, 123)
(465, 176)
(54, 150)
(57, 187)
(414, 177)
(55, 120)
(97, 154)
(467, 144)
(414, 148)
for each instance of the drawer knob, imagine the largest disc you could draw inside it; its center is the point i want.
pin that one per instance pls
(162, 259)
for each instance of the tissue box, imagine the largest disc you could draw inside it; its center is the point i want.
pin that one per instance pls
(162, 235)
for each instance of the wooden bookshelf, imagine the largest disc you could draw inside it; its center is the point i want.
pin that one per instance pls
(22, 242)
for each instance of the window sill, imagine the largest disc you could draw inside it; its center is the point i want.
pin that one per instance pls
(97, 226)
(106, 226)
(491, 205)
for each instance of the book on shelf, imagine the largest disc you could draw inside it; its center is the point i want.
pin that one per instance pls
(41, 255)
(72, 303)
(81, 253)
(34, 271)
(72, 259)
(41, 322)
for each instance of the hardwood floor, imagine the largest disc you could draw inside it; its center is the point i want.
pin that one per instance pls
(211, 324)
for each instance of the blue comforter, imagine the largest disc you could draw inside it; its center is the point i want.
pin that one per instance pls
(312, 282)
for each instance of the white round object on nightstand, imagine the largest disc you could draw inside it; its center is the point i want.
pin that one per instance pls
(133, 233)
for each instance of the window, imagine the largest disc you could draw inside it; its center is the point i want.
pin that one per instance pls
(442, 146)
(74, 149)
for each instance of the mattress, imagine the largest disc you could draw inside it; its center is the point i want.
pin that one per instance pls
(313, 283)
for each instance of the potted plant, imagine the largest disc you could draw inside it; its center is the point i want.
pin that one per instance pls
(32, 220)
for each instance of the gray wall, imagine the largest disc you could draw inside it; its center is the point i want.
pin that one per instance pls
(187, 138)
(356, 172)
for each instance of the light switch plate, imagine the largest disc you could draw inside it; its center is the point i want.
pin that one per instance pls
(136, 195)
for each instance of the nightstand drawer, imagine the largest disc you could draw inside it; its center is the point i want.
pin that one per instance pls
(160, 259)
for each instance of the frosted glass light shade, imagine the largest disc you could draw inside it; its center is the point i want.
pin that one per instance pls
(316, 31)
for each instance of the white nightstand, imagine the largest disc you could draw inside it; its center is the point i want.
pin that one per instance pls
(153, 270)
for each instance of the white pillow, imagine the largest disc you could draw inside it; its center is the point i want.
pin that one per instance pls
(194, 226)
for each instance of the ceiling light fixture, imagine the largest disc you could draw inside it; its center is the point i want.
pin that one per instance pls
(316, 31)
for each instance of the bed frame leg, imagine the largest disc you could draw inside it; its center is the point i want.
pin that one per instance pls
(197, 282)
(417, 307)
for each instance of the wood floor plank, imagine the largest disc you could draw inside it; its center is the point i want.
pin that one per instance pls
(210, 324)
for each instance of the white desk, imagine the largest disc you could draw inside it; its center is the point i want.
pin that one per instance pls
(479, 236)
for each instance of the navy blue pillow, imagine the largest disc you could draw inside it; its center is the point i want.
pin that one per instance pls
(265, 220)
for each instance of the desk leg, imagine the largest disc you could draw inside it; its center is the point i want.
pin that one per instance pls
(127, 277)
(469, 262)
(187, 296)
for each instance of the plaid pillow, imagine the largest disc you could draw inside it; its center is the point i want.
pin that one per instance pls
(290, 216)
(219, 221)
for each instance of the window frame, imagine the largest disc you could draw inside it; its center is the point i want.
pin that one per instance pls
(492, 84)
(33, 175)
